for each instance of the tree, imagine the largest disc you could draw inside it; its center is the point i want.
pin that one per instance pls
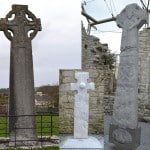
(109, 59)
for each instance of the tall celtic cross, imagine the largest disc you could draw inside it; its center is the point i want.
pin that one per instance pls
(124, 127)
(81, 104)
(20, 26)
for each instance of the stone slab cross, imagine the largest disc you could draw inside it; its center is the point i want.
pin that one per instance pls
(20, 26)
(125, 110)
(81, 104)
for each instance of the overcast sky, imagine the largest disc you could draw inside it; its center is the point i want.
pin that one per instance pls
(58, 45)
(102, 9)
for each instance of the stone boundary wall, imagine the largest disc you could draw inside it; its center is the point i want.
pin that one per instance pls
(108, 104)
(93, 52)
(3, 109)
(144, 73)
(66, 101)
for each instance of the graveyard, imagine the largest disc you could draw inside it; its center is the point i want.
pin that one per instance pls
(102, 105)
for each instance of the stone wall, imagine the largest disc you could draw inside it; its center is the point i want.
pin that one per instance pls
(66, 101)
(93, 54)
(144, 73)
(108, 104)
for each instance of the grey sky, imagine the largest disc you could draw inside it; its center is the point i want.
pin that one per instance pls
(108, 32)
(58, 45)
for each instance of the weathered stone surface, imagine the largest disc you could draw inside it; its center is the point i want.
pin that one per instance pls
(125, 111)
(126, 104)
(129, 139)
(21, 99)
(144, 79)
(81, 104)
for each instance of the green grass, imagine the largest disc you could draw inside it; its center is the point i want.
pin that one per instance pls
(46, 126)
(3, 127)
(3, 101)
(44, 148)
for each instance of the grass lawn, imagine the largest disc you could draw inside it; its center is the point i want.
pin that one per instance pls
(46, 125)
(3, 127)
(44, 148)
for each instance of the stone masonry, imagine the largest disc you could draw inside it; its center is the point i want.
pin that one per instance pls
(93, 61)
(144, 73)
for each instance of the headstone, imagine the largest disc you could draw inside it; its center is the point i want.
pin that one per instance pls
(20, 26)
(81, 140)
(124, 130)
(81, 116)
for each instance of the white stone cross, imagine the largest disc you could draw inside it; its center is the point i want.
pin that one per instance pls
(81, 104)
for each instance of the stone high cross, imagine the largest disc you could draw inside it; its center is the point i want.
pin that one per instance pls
(20, 26)
(81, 104)
(125, 110)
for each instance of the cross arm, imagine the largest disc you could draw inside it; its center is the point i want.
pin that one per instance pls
(3, 22)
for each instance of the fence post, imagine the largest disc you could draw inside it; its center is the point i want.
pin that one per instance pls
(41, 129)
(6, 116)
(15, 135)
(51, 115)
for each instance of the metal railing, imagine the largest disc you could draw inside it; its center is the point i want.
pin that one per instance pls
(47, 124)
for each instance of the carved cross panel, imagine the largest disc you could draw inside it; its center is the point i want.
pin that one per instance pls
(131, 19)
(20, 24)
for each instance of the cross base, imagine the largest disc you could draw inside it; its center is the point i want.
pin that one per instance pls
(135, 138)
(91, 143)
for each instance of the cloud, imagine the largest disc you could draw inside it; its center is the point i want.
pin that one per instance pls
(58, 45)
(108, 32)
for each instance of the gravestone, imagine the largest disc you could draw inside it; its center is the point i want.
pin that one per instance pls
(20, 26)
(81, 140)
(81, 116)
(124, 130)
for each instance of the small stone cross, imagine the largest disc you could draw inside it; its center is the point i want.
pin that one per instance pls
(81, 104)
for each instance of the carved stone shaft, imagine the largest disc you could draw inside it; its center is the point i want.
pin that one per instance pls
(125, 110)
(21, 99)
(81, 104)
(126, 99)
